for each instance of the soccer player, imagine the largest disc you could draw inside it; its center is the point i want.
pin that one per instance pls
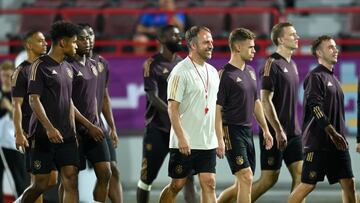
(115, 192)
(326, 149)
(35, 46)
(157, 134)
(191, 93)
(237, 102)
(52, 129)
(92, 148)
(279, 95)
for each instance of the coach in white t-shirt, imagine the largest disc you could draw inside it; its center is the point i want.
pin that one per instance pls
(192, 92)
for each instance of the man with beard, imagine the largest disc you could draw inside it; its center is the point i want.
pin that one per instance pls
(192, 88)
(156, 139)
(92, 148)
(325, 147)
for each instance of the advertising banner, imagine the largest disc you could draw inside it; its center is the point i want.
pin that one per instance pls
(128, 97)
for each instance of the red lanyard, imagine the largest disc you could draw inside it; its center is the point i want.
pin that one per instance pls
(206, 85)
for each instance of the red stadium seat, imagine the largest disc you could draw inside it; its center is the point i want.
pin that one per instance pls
(214, 21)
(259, 23)
(77, 15)
(119, 25)
(36, 21)
(90, 3)
(352, 26)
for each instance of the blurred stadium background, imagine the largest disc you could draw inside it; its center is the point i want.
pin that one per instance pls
(114, 22)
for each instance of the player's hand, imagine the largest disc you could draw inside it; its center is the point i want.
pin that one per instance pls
(268, 140)
(358, 147)
(184, 146)
(114, 137)
(96, 133)
(338, 140)
(54, 135)
(220, 151)
(21, 141)
(281, 140)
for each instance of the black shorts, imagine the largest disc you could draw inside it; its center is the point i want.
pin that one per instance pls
(111, 147)
(46, 156)
(91, 150)
(155, 148)
(335, 165)
(239, 146)
(272, 159)
(200, 161)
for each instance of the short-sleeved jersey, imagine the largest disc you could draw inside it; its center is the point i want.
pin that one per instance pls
(19, 88)
(102, 83)
(84, 90)
(156, 72)
(237, 95)
(186, 85)
(281, 77)
(323, 100)
(52, 81)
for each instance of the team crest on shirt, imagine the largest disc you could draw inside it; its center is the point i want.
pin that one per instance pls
(69, 72)
(94, 70)
(148, 147)
(239, 160)
(252, 75)
(100, 67)
(79, 74)
(271, 161)
(238, 79)
(312, 175)
(37, 164)
(178, 169)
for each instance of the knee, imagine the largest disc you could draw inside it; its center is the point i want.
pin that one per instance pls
(115, 173)
(104, 174)
(270, 179)
(245, 176)
(177, 185)
(69, 180)
(348, 185)
(208, 183)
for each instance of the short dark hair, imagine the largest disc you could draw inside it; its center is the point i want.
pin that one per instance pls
(191, 34)
(317, 42)
(28, 35)
(277, 31)
(63, 29)
(240, 34)
(161, 32)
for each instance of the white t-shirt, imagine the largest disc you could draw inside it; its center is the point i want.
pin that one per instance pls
(7, 132)
(186, 87)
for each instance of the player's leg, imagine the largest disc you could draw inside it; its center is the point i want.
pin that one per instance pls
(155, 149)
